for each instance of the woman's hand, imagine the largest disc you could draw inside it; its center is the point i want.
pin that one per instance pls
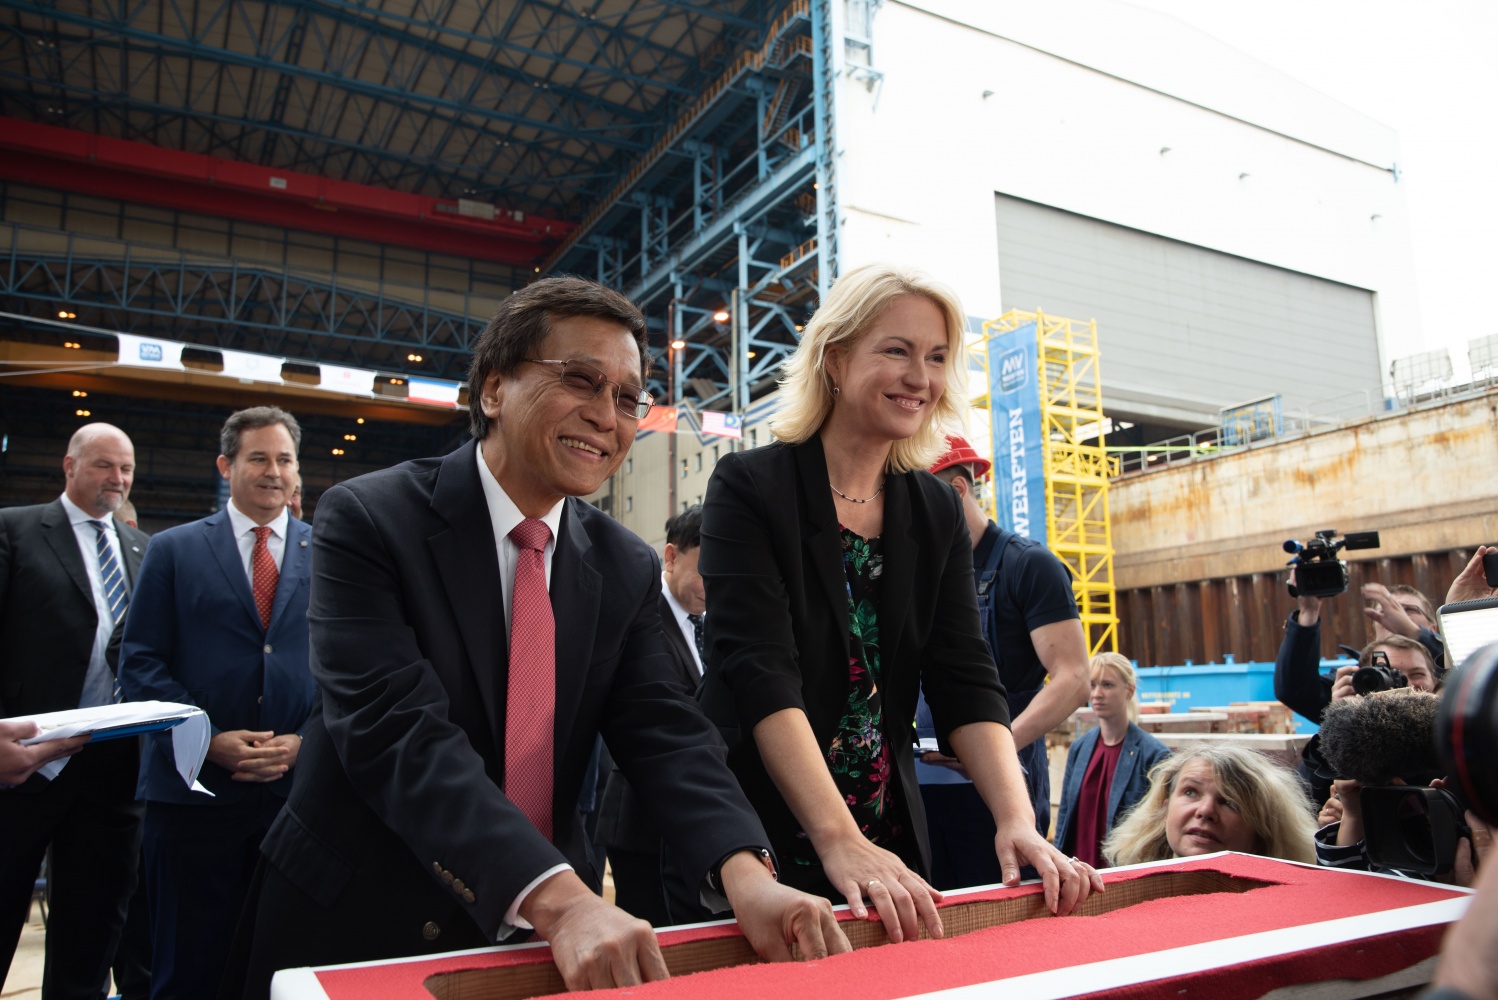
(1068, 882)
(857, 868)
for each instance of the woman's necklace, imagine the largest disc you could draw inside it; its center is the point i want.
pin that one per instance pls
(855, 499)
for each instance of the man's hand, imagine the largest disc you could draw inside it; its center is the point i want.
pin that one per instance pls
(1351, 830)
(1469, 954)
(17, 762)
(1068, 882)
(291, 741)
(247, 755)
(1388, 617)
(1342, 686)
(1307, 609)
(903, 900)
(1331, 811)
(595, 945)
(1471, 584)
(938, 759)
(780, 922)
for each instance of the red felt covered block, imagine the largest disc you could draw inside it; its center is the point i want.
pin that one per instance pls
(1224, 925)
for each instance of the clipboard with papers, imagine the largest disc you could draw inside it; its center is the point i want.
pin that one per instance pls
(189, 726)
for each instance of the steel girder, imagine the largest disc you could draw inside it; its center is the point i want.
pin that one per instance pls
(242, 307)
(534, 103)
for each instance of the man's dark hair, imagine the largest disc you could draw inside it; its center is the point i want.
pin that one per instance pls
(684, 531)
(524, 319)
(252, 419)
(951, 472)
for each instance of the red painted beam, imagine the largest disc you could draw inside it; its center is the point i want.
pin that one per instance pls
(70, 160)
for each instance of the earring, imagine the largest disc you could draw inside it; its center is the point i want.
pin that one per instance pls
(836, 389)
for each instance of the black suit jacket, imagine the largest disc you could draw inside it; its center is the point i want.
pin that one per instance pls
(47, 613)
(400, 776)
(623, 821)
(777, 620)
(48, 619)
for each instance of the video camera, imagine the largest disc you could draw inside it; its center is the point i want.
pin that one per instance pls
(1411, 827)
(1318, 571)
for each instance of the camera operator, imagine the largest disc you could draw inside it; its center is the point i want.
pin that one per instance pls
(1298, 681)
(1385, 739)
(1410, 658)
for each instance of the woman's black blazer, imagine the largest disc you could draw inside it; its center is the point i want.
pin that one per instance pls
(777, 618)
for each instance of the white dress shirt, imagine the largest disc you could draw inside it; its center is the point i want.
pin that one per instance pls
(98, 682)
(682, 622)
(504, 516)
(244, 537)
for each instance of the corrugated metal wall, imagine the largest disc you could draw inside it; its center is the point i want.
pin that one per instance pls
(1181, 326)
(1206, 620)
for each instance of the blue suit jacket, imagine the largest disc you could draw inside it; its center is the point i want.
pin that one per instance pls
(1140, 753)
(193, 635)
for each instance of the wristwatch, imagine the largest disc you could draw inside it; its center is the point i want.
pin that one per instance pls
(715, 876)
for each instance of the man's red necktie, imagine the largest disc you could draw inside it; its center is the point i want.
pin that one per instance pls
(264, 575)
(532, 695)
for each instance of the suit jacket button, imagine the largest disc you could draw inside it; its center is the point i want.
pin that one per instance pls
(437, 868)
(260, 700)
(269, 648)
(458, 885)
(447, 877)
(430, 930)
(468, 896)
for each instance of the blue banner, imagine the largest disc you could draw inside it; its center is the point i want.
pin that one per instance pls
(1018, 462)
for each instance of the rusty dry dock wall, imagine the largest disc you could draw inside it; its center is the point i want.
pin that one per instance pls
(1197, 547)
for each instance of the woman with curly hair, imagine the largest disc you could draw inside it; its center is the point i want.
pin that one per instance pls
(1217, 797)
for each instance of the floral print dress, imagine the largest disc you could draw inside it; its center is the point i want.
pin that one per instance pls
(857, 756)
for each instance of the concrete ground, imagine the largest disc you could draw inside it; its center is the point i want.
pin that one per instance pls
(25, 979)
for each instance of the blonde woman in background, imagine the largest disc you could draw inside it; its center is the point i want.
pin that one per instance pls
(1107, 770)
(1217, 797)
(839, 581)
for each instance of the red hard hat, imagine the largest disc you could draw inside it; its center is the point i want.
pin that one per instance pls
(959, 452)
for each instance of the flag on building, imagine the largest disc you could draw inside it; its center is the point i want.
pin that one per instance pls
(336, 378)
(730, 425)
(433, 391)
(149, 352)
(660, 418)
(254, 367)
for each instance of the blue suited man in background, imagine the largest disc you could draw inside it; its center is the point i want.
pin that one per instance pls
(219, 621)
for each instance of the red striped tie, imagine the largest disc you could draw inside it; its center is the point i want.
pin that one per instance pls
(532, 695)
(264, 575)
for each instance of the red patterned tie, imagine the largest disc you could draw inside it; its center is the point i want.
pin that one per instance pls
(264, 575)
(532, 696)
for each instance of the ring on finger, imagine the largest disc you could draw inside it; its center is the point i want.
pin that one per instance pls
(871, 883)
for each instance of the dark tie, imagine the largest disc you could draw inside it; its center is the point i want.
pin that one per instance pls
(113, 578)
(696, 621)
(532, 692)
(263, 575)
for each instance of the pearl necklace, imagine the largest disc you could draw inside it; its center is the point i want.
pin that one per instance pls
(855, 499)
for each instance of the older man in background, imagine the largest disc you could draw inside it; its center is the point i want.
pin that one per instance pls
(67, 569)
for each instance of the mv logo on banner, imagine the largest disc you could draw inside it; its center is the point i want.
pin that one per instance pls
(150, 352)
(1013, 370)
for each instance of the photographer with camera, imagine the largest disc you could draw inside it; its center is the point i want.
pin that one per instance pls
(1397, 815)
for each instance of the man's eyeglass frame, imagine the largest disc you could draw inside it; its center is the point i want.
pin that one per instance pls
(598, 379)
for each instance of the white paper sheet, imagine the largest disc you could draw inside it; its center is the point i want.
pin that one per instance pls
(189, 735)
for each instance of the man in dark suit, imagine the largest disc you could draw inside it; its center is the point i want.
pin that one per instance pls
(67, 570)
(633, 839)
(475, 627)
(220, 621)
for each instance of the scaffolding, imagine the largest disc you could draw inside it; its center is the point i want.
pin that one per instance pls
(1076, 473)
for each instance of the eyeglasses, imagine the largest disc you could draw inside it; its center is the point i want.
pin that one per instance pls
(582, 379)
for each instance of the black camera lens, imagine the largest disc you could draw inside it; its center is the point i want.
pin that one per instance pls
(1467, 730)
(1378, 677)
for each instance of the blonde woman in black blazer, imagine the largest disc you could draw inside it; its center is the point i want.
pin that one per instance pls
(839, 579)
